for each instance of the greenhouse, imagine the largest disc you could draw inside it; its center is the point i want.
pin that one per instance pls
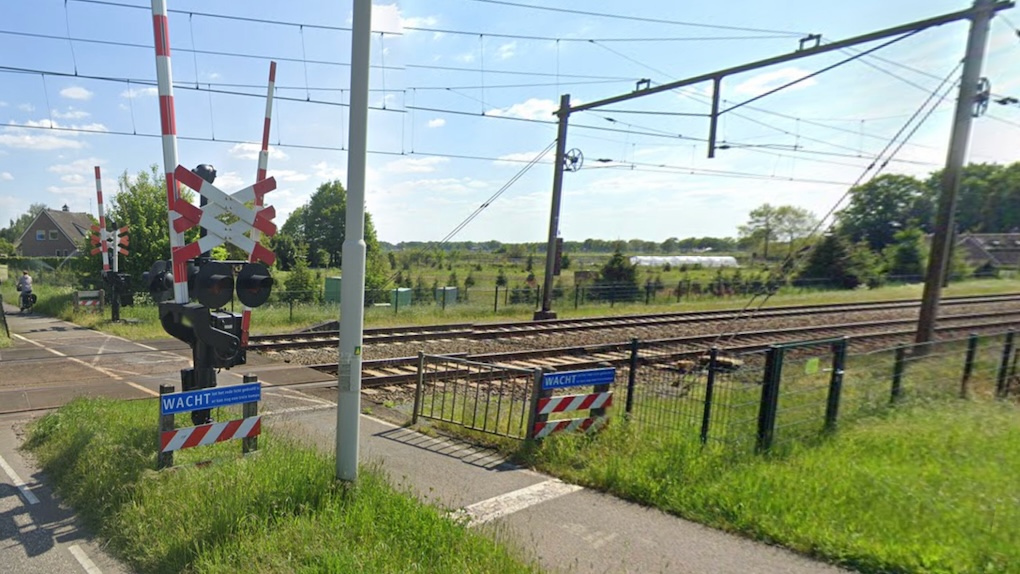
(690, 260)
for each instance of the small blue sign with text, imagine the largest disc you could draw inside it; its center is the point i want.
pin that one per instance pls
(210, 398)
(578, 378)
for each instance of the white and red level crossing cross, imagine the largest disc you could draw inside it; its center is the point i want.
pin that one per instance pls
(222, 203)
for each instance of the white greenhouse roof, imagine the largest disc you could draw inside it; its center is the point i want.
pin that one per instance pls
(676, 260)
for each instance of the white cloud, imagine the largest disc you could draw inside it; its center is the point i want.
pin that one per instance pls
(251, 151)
(517, 157)
(139, 92)
(324, 170)
(71, 192)
(86, 165)
(76, 93)
(74, 178)
(288, 175)
(437, 123)
(6, 176)
(71, 114)
(466, 57)
(47, 123)
(506, 51)
(27, 108)
(230, 181)
(532, 109)
(213, 76)
(21, 139)
(415, 164)
(389, 18)
(766, 81)
(3, 104)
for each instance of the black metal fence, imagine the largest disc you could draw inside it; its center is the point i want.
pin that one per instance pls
(482, 397)
(797, 392)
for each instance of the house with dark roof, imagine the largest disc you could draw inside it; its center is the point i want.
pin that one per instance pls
(54, 234)
(994, 250)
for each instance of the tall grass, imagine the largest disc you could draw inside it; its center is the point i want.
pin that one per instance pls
(926, 487)
(278, 511)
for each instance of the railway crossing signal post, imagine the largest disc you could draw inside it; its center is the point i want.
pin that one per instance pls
(981, 11)
(214, 334)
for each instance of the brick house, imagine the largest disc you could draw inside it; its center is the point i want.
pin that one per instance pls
(994, 250)
(54, 234)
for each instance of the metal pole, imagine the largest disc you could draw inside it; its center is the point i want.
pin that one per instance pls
(713, 124)
(941, 242)
(352, 300)
(554, 216)
(168, 122)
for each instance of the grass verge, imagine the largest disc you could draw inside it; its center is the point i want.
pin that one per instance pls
(278, 511)
(926, 487)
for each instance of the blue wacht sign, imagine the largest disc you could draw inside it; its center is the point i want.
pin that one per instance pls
(578, 378)
(210, 398)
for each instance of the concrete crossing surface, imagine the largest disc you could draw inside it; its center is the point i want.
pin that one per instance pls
(565, 527)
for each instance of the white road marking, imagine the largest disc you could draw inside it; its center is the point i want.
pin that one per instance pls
(298, 410)
(99, 351)
(106, 372)
(16, 480)
(83, 559)
(298, 395)
(511, 502)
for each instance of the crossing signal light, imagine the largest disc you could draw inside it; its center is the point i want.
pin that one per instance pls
(160, 281)
(254, 283)
(214, 284)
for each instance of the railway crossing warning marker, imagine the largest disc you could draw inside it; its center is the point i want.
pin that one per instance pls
(221, 203)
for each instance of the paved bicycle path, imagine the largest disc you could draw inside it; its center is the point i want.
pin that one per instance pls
(567, 528)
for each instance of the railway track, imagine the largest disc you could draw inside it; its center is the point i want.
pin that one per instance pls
(403, 370)
(482, 331)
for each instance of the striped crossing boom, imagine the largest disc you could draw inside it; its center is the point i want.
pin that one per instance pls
(204, 435)
(574, 403)
(544, 429)
(101, 229)
(260, 175)
(168, 125)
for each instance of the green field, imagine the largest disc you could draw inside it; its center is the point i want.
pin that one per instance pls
(929, 487)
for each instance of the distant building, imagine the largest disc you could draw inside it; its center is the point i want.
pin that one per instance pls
(678, 260)
(996, 250)
(54, 234)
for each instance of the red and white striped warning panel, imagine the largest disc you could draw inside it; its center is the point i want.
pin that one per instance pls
(574, 403)
(203, 435)
(544, 429)
(88, 302)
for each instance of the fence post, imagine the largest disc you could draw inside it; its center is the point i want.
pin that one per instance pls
(291, 309)
(835, 384)
(495, 300)
(1007, 352)
(577, 293)
(250, 410)
(533, 416)
(538, 296)
(166, 423)
(632, 374)
(418, 387)
(648, 294)
(968, 365)
(899, 365)
(679, 285)
(769, 398)
(706, 415)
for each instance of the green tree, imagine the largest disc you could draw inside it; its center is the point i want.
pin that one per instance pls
(906, 258)
(287, 249)
(794, 223)
(761, 226)
(618, 279)
(882, 207)
(18, 226)
(295, 224)
(671, 245)
(141, 204)
(325, 221)
(836, 262)
(300, 284)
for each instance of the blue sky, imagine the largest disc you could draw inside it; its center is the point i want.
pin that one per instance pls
(436, 158)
